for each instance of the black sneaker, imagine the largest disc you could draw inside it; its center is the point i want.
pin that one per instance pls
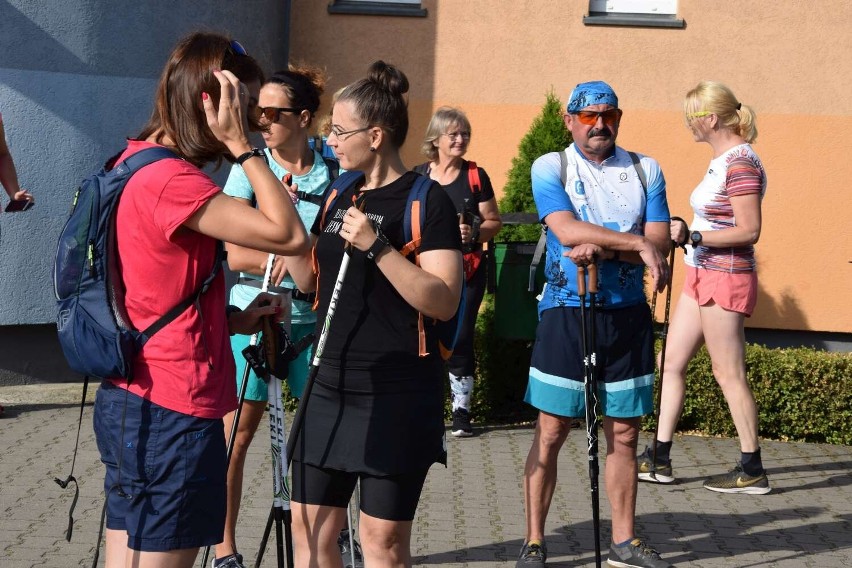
(345, 554)
(636, 554)
(663, 473)
(738, 481)
(461, 424)
(532, 554)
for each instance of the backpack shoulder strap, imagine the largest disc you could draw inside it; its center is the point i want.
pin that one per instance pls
(336, 189)
(333, 167)
(412, 226)
(415, 216)
(563, 166)
(202, 288)
(142, 158)
(473, 178)
(542, 238)
(640, 171)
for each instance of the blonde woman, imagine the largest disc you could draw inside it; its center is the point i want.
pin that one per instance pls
(721, 283)
(445, 144)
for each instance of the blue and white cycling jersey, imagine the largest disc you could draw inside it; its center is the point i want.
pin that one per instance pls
(610, 195)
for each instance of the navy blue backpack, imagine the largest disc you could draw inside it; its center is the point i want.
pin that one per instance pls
(94, 330)
(447, 332)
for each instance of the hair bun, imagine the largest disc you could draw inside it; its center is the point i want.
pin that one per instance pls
(389, 78)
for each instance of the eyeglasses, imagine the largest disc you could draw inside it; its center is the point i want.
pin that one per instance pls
(272, 114)
(238, 48)
(699, 114)
(590, 117)
(339, 134)
(455, 135)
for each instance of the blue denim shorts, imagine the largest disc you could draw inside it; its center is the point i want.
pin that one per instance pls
(170, 491)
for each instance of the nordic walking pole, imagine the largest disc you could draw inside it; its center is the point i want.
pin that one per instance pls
(247, 353)
(299, 418)
(591, 385)
(664, 335)
(281, 492)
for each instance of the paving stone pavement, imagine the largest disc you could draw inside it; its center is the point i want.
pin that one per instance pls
(471, 513)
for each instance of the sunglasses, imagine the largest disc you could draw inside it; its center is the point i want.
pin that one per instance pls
(272, 114)
(699, 114)
(237, 48)
(590, 117)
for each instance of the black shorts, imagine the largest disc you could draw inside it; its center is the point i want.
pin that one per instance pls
(389, 497)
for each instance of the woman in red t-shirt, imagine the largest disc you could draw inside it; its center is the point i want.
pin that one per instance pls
(161, 436)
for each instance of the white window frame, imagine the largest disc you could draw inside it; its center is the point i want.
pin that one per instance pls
(377, 7)
(640, 13)
(653, 7)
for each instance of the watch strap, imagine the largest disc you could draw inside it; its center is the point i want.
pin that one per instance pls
(250, 154)
(380, 244)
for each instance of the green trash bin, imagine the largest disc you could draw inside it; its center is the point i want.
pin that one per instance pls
(515, 307)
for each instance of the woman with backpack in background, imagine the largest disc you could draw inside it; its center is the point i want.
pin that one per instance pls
(445, 144)
(375, 413)
(287, 105)
(160, 435)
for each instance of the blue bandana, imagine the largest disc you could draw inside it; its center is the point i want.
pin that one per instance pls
(591, 93)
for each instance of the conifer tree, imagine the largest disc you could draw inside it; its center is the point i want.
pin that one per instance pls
(547, 134)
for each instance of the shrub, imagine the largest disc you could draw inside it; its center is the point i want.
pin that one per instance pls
(547, 134)
(503, 364)
(802, 394)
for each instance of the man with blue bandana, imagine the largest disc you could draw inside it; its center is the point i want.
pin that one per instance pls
(597, 209)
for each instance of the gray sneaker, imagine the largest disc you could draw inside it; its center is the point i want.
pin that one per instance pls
(233, 561)
(738, 481)
(663, 471)
(532, 554)
(350, 560)
(636, 554)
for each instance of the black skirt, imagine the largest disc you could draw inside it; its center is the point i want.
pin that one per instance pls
(380, 423)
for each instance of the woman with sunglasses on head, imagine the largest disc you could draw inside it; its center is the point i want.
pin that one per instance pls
(375, 414)
(445, 144)
(168, 224)
(720, 290)
(287, 105)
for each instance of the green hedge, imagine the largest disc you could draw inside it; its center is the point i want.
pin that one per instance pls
(802, 394)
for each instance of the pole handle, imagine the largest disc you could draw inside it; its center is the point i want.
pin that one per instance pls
(593, 278)
(581, 281)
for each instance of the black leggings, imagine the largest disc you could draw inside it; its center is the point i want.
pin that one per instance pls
(388, 497)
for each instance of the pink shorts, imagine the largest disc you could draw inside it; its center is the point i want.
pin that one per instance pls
(735, 292)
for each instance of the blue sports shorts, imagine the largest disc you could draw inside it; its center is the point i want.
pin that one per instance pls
(170, 492)
(624, 351)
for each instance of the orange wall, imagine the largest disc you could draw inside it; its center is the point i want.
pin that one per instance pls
(787, 59)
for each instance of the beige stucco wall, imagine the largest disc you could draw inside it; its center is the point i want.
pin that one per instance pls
(786, 58)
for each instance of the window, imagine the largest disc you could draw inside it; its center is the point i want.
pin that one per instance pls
(648, 13)
(377, 7)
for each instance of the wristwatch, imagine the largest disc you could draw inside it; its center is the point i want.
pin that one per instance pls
(695, 238)
(380, 244)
